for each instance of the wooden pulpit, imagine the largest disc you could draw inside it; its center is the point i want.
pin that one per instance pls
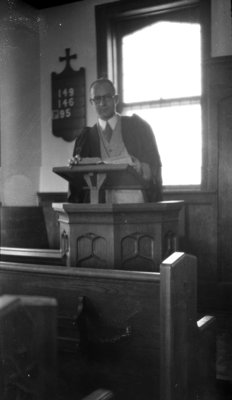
(129, 236)
(102, 176)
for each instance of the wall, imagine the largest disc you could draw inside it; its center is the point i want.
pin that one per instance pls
(19, 104)
(221, 28)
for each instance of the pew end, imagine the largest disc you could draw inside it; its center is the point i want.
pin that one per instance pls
(100, 394)
(206, 357)
(188, 363)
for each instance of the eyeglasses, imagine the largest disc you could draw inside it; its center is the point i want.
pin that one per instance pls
(105, 98)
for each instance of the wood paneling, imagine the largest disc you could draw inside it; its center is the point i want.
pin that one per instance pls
(51, 221)
(198, 230)
(225, 188)
(23, 227)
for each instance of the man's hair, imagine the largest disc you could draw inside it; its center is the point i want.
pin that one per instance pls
(103, 80)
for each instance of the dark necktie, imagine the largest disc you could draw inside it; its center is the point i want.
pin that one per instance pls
(107, 132)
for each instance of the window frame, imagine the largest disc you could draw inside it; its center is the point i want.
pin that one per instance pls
(110, 18)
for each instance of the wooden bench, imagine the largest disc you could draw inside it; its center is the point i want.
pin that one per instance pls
(135, 333)
(33, 256)
(27, 347)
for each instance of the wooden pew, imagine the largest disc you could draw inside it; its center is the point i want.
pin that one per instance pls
(27, 347)
(33, 256)
(135, 333)
(206, 360)
(28, 350)
(100, 394)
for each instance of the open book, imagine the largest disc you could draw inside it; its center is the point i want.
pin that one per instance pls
(98, 160)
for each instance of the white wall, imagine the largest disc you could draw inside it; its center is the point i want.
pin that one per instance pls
(19, 104)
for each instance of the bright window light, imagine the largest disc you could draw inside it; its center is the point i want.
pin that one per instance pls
(163, 62)
(179, 142)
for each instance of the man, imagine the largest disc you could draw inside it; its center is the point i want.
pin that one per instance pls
(119, 137)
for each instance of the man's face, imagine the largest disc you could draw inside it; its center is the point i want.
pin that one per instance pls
(104, 100)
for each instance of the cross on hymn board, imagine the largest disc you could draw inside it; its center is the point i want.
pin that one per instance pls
(68, 57)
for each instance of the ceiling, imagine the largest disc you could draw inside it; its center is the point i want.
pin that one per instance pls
(40, 4)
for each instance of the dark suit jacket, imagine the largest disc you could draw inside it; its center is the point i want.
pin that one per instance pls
(139, 141)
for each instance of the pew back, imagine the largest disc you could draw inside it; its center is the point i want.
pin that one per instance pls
(33, 256)
(132, 330)
(27, 348)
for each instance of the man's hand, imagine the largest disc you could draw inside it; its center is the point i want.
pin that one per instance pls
(141, 168)
(136, 164)
(74, 160)
(146, 171)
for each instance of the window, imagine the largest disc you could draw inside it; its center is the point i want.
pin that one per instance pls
(172, 101)
(161, 81)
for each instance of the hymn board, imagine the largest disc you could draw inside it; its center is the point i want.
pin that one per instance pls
(68, 100)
